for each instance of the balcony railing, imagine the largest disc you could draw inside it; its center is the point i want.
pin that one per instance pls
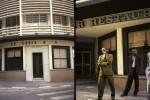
(36, 30)
(10, 31)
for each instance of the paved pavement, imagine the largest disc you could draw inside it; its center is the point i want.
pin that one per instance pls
(87, 90)
(20, 90)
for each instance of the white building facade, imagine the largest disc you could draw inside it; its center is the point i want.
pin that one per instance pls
(37, 40)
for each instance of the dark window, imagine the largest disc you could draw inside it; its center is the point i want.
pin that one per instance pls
(14, 59)
(12, 21)
(71, 21)
(61, 57)
(0, 24)
(60, 20)
(0, 60)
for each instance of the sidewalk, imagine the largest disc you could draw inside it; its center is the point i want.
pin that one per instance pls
(87, 90)
(34, 84)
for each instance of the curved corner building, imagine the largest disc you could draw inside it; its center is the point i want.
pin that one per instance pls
(37, 40)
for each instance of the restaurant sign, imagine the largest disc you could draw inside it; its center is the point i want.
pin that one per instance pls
(115, 18)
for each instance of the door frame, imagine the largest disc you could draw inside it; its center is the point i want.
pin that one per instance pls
(42, 64)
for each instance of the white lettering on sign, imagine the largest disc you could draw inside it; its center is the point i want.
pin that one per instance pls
(115, 18)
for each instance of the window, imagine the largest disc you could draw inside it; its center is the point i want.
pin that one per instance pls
(60, 20)
(110, 43)
(14, 59)
(0, 60)
(12, 21)
(71, 21)
(61, 57)
(36, 19)
(0, 24)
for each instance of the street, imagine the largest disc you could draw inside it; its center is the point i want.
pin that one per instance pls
(87, 90)
(18, 90)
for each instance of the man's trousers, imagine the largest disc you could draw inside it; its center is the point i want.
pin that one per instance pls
(101, 85)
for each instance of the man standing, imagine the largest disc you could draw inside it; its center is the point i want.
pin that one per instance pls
(105, 72)
(134, 63)
(148, 75)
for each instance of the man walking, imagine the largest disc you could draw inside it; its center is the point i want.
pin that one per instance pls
(105, 72)
(134, 63)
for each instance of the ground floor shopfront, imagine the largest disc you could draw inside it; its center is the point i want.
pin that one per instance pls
(47, 60)
(119, 39)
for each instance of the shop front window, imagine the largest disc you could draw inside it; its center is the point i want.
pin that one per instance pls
(140, 40)
(14, 59)
(61, 57)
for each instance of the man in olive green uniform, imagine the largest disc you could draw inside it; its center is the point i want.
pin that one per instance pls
(105, 72)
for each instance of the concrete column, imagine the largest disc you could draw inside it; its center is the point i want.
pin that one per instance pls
(71, 57)
(24, 58)
(3, 59)
(50, 57)
(119, 51)
(20, 16)
(51, 16)
(96, 55)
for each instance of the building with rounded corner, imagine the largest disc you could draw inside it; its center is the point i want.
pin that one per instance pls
(37, 40)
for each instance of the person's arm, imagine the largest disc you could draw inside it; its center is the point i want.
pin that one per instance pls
(101, 63)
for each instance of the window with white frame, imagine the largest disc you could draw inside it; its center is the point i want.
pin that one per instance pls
(71, 21)
(36, 20)
(60, 20)
(61, 57)
(0, 24)
(12, 21)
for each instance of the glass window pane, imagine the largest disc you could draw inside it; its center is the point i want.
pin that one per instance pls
(57, 63)
(63, 53)
(10, 54)
(56, 53)
(0, 24)
(36, 19)
(72, 22)
(136, 39)
(64, 20)
(113, 43)
(63, 63)
(148, 36)
(106, 43)
(17, 53)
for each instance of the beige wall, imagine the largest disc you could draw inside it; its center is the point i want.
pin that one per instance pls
(13, 75)
(62, 75)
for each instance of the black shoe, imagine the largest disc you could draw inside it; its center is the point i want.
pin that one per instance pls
(98, 99)
(122, 95)
(113, 98)
(135, 95)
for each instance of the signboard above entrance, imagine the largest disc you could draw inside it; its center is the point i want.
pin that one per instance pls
(115, 18)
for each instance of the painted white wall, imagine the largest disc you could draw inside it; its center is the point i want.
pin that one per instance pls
(71, 58)
(29, 62)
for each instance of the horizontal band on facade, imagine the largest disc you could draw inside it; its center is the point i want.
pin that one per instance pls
(33, 37)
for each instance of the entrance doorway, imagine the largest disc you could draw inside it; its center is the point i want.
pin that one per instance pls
(37, 65)
(83, 64)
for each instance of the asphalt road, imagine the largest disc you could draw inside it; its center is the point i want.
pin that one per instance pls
(36, 91)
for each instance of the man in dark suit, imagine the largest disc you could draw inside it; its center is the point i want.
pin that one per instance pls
(134, 63)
